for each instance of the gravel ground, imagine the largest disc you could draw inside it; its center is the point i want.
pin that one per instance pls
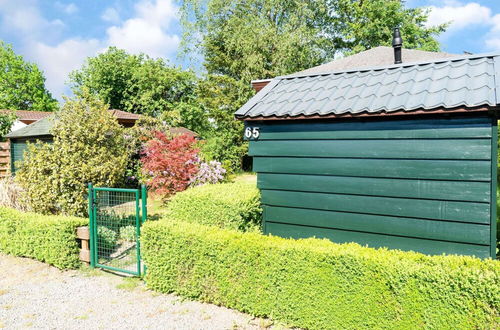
(35, 295)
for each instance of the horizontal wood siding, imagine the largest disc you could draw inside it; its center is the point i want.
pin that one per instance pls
(422, 185)
(19, 146)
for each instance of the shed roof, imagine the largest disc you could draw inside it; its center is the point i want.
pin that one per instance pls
(38, 128)
(374, 57)
(43, 126)
(445, 84)
(25, 115)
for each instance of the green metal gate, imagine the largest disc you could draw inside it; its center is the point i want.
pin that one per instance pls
(116, 216)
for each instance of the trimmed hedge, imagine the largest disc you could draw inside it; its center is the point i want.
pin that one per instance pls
(225, 205)
(50, 239)
(317, 284)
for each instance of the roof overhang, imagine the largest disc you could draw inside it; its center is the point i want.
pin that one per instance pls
(438, 111)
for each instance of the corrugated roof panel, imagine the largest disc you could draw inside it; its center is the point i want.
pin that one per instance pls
(467, 81)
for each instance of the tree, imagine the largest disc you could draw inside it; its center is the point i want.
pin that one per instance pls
(256, 39)
(140, 84)
(7, 119)
(89, 146)
(22, 84)
(170, 163)
(221, 96)
(364, 24)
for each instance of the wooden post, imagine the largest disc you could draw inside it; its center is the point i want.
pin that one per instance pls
(83, 234)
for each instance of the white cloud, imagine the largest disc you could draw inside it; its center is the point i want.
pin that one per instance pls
(139, 35)
(69, 9)
(466, 15)
(111, 15)
(148, 31)
(23, 18)
(459, 15)
(59, 60)
(493, 43)
(161, 12)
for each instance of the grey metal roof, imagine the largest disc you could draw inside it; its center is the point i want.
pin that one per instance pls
(467, 81)
(39, 128)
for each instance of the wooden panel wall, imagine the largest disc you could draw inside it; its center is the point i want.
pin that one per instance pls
(4, 159)
(422, 185)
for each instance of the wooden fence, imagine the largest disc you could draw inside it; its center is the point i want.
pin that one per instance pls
(4, 159)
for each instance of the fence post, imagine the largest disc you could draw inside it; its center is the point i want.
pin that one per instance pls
(91, 226)
(144, 199)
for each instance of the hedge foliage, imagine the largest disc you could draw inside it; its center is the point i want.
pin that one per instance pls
(226, 205)
(50, 239)
(317, 284)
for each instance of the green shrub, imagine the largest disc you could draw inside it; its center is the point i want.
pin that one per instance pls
(317, 284)
(128, 233)
(226, 205)
(51, 239)
(106, 238)
(89, 146)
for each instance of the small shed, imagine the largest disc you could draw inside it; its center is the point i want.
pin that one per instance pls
(402, 156)
(39, 130)
(19, 139)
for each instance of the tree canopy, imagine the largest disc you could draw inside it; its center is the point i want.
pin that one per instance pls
(255, 39)
(143, 85)
(364, 24)
(22, 84)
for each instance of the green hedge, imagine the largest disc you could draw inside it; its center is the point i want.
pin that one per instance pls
(317, 284)
(51, 239)
(226, 205)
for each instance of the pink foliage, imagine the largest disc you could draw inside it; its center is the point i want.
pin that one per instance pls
(169, 163)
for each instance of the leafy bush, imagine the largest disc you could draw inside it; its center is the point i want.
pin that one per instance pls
(89, 146)
(211, 172)
(226, 148)
(225, 205)
(51, 239)
(316, 284)
(169, 163)
(128, 233)
(106, 238)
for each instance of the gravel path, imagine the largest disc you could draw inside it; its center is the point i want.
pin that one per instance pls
(35, 295)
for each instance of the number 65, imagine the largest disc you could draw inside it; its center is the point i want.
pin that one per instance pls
(252, 132)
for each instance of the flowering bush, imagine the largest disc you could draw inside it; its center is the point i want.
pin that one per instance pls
(169, 163)
(211, 172)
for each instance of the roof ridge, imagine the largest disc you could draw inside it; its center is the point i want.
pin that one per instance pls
(392, 66)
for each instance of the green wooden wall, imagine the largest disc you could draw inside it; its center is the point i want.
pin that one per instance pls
(18, 146)
(417, 184)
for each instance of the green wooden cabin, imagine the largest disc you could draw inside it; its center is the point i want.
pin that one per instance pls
(40, 131)
(402, 156)
(19, 139)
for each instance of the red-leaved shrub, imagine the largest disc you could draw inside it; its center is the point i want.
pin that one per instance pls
(169, 163)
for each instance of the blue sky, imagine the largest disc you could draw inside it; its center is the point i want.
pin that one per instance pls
(59, 35)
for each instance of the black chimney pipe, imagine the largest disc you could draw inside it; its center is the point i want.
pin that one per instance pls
(397, 44)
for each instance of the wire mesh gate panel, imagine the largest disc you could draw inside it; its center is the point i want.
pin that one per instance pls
(116, 215)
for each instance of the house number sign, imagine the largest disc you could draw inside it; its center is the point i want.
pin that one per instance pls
(252, 132)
